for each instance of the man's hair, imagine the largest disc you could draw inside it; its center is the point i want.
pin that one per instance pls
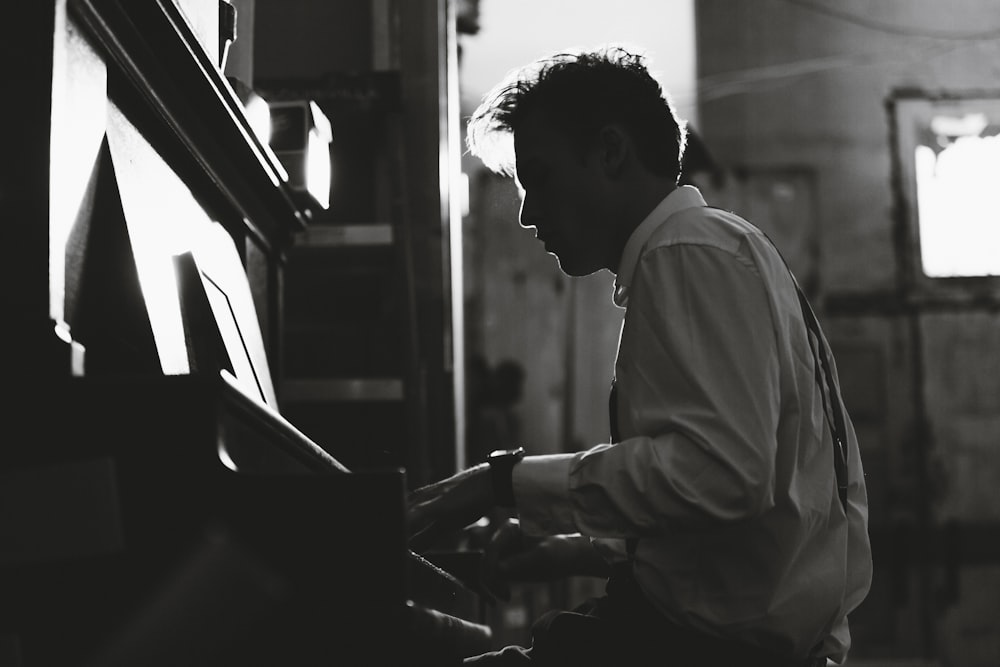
(579, 93)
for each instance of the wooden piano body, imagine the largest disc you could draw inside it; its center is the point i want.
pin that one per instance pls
(155, 507)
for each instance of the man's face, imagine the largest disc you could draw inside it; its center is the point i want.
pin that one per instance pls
(563, 197)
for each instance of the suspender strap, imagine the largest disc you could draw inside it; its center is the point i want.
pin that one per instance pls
(613, 412)
(827, 384)
(837, 424)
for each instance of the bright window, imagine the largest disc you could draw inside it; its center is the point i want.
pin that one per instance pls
(957, 170)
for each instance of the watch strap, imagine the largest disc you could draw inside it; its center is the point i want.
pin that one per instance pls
(502, 464)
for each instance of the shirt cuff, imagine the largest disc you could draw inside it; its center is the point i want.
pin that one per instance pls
(541, 494)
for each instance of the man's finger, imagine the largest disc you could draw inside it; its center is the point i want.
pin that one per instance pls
(425, 538)
(419, 516)
(424, 493)
(432, 521)
(426, 506)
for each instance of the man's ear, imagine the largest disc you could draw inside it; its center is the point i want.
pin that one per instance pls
(615, 146)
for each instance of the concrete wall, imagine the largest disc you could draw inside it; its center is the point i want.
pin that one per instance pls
(783, 84)
(563, 332)
(802, 87)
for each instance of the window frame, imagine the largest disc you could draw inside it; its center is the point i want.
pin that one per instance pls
(907, 110)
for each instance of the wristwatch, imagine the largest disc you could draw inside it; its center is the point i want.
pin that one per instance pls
(502, 462)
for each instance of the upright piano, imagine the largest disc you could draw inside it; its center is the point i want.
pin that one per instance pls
(156, 508)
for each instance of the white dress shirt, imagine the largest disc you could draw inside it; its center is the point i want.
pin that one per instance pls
(725, 467)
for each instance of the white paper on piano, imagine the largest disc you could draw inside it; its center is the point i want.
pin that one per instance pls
(164, 220)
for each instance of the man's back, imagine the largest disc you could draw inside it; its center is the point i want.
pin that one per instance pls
(717, 379)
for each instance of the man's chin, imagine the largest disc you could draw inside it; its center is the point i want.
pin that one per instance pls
(572, 269)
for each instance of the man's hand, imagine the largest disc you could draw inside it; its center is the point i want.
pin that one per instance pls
(513, 556)
(448, 506)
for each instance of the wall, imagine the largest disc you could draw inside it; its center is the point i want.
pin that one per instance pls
(563, 332)
(795, 86)
(802, 87)
(308, 39)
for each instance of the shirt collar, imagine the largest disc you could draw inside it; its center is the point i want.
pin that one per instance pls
(685, 196)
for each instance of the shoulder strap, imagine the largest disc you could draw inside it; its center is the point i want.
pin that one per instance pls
(837, 425)
(825, 379)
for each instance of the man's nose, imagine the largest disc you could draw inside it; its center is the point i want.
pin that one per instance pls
(527, 217)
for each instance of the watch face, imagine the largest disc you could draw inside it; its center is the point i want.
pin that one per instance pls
(503, 454)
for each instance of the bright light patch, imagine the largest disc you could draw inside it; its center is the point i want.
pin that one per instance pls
(318, 169)
(259, 116)
(958, 200)
(318, 164)
(225, 458)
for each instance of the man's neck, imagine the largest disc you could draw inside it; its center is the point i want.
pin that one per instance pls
(634, 211)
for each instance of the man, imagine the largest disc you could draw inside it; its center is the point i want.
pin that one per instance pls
(729, 511)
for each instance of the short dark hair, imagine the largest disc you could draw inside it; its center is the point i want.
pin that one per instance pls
(582, 92)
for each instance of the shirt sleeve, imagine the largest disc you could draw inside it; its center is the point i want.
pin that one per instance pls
(700, 402)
